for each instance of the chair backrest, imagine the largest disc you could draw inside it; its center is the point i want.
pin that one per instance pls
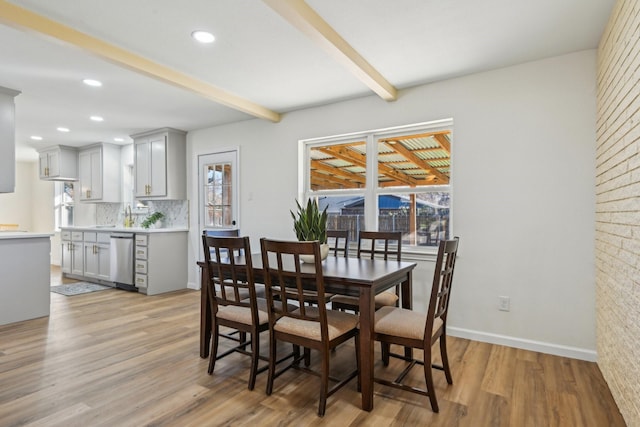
(442, 280)
(338, 241)
(229, 272)
(289, 281)
(370, 244)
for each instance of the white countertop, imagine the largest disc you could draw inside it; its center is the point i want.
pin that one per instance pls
(108, 229)
(5, 235)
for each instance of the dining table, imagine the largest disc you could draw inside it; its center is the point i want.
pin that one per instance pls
(358, 277)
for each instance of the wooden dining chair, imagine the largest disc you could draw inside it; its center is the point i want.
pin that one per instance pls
(233, 300)
(371, 244)
(338, 241)
(394, 325)
(316, 328)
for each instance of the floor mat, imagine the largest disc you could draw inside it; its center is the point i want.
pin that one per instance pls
(78, 288)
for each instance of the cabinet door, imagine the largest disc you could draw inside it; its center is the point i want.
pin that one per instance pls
(143, 167)
(90, 172)
(84, 173)
(90, 260)
(77, 254)
(158, 172)
(44, 165)
(104, 260)
(54, 163)
(66, 257)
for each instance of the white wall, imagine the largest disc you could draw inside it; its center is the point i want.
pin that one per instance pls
(523, 197)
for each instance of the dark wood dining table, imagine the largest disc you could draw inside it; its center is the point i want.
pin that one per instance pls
(362, 278)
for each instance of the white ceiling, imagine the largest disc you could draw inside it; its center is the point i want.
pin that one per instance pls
(261, 57)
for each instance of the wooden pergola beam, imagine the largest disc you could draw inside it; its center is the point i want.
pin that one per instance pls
(410, 156)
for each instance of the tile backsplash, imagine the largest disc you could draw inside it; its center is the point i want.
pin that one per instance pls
(176, 213)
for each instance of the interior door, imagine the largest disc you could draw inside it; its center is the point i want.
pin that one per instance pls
(218, 191)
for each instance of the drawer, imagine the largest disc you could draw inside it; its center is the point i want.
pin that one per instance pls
(141, 239)
(141, 281)
(104, 238)
(89, 236)
(141, 252)
(65, 235)
(76, 236)
(141, 266)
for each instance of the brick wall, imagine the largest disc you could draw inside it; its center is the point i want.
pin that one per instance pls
(618, 207)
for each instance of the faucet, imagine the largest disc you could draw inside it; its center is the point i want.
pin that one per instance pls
(128, 217)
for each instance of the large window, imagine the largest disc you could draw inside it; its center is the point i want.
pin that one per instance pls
(64, 204)
(388, 180)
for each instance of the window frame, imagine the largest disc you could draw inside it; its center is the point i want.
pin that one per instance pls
(59, 204)
(370, 192)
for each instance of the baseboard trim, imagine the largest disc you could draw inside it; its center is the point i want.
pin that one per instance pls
(194, 286)
(539, 346)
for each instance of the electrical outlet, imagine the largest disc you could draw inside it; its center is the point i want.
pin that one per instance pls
(504, 303)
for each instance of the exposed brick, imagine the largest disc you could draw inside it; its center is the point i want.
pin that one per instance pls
(617, 244)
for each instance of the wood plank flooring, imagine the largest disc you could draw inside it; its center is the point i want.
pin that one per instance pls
(115, 358)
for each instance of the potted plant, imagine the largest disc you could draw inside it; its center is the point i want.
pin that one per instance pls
(152, 219)
(311, 224)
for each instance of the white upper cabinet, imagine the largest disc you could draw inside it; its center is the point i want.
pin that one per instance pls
(59, 163)
(7, 140)
(160, 164)
(100, 173)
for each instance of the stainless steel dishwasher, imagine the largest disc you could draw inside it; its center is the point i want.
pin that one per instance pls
(121, 264)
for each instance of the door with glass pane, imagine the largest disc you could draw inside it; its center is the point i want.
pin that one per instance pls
(218, 182)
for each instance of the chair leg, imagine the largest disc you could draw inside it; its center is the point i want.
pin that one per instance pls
(428, 378)
(243, 338)
(358, 361)
(272, 362)
(255, 354)
(324, 384)
(307, 357)
(385, 349)
(445, 358)
(215, 333)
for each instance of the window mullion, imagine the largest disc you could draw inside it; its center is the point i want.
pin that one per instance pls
(371, 196)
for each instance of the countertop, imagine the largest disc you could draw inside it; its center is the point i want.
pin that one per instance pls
(108, 229)
(4, 235)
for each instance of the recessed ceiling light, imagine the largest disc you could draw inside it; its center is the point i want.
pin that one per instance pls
(96, 118)
(62, 129)
(36, 138)
(203, 36)
(92, 82)
(118, 139)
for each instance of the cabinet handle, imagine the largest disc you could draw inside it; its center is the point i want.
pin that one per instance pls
(140, 280)
(139, 265)
(88, 194)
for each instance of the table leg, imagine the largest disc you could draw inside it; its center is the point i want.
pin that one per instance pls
(367, 318)
(205, 315)
(406, 294)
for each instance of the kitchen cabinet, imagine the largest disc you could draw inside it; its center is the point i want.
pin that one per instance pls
(97, 255)
(58, 163)
(160, 164)
(7, 140)
(100, 173)
(161, 262)
(72, 252)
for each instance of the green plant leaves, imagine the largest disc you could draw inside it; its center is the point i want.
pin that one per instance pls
(309, 223)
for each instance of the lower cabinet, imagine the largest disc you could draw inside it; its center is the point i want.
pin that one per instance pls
(85, 254)
(97, 256)
(72, 253)
(161, 262)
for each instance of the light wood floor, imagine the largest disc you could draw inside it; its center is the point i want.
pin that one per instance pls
(115, 358)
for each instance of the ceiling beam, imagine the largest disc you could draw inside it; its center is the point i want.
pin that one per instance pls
(305, 19)
(24, 19)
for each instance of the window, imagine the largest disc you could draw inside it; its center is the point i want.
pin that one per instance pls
(388, 180)
(218, 176)
(64, 204)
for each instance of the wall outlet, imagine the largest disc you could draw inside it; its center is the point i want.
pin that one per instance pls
(504, 303)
